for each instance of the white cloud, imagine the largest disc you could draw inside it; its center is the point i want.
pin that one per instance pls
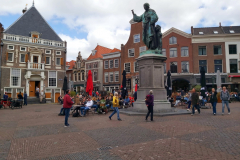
(107, 21)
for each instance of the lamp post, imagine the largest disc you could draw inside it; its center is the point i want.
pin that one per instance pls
(1, 63)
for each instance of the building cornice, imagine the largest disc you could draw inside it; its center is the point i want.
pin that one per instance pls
(175, 30)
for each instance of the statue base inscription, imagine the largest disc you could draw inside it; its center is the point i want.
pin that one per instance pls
(151, 74)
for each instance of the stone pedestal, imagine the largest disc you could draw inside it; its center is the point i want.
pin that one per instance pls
(151, 76)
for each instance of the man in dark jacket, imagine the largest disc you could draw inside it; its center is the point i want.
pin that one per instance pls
(225, 97)
(150, 104)
(67, 104)
(213, 100)
(195, 101)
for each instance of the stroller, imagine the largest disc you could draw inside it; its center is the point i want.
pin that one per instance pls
(16, 103)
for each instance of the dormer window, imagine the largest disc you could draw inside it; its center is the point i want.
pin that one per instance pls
(94, 52)
(200, 32)
(35, 34)
(215, 32)
(231, 31)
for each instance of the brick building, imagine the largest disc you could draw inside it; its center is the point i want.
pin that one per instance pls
(69, 73)
(111, 70)
(209, 52)
(79, 73)
(95, 63)
(129, 52)
(177, 47)
(33, 55)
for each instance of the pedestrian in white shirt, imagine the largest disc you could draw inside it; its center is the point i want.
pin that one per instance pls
(87, 106)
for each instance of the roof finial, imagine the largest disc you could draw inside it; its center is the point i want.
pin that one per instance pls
(33, 3)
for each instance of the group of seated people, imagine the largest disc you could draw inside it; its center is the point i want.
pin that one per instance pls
(101, 104)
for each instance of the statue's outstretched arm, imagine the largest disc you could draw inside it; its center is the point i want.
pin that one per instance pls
(137, 18)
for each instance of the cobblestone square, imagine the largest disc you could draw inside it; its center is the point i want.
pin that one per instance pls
(37, 132)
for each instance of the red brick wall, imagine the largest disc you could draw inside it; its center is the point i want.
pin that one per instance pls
(181, 42)
(135, 29)
(210, 57)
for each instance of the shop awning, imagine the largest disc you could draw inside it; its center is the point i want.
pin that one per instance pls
(78, 85)
(234, 76)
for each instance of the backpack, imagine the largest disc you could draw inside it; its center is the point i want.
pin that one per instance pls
(76, 114)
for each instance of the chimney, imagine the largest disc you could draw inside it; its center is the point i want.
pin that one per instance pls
(192, 30)
(220, 25)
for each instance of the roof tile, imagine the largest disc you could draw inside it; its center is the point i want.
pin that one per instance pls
(100, 50)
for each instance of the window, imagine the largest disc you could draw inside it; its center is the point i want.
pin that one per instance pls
(164, 52)
(78, 65)
(231, 31)
(165, 69)
(95, 78)
(136, 67)
(22, 58)
(136, 38)
(48, 60)
(67, 67)
(94, 52)
(203, 63)
(131, 52)
(10, 57)
(202, 50)
(110, 63)
(10, 47)
(70, 77)
(173, 67)
(215, 32)
(111, 77)
(23, 49)
(127, 67)
(173, 40)
(217, 50)
(200, 32)
(233, 66)
(15, 77)
(105, 64)
(184, 52)
(232, 49)
(58, 52)
(106, 77)
(48, 52)
(75, 77)
(173, 52)
(116, 76)
(116, 63)
(218, 65)
(185, 67)
(79, 76)
(52, 79)
(82, 76)
(142, 49)
(95, 65)
(18, 90)
(58, 61)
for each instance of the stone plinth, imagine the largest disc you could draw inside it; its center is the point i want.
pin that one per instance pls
(151, 76)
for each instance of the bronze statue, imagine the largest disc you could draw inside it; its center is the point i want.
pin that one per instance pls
(151, 35)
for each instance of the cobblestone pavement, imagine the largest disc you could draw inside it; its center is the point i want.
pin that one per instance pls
(37, 132)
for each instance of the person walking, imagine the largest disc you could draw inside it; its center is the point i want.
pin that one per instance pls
(189, 101)
(150, 104)
(213, 100)
(67, 104)
(25, 98)
(195, 102)
(115, 106)
(225, 97)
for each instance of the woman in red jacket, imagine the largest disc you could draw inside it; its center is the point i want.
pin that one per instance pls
(67, 104)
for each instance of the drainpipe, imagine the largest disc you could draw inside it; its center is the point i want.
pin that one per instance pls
(1, 64)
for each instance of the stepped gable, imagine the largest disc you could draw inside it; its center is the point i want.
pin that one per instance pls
(100, 50)
(30, 21)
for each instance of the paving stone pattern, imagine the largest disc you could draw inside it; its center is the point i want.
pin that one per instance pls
(37, 132)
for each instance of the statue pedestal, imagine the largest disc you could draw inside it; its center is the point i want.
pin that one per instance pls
(151, 75)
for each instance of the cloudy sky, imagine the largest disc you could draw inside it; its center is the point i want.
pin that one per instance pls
(86, 23)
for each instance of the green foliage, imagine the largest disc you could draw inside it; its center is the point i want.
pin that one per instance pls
(72, 93)
(197, 88)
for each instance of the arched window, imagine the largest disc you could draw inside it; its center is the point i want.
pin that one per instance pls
(173, 40)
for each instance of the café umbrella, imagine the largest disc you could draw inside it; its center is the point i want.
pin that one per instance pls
(203, 82)
(65, 85)
(89, 87)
